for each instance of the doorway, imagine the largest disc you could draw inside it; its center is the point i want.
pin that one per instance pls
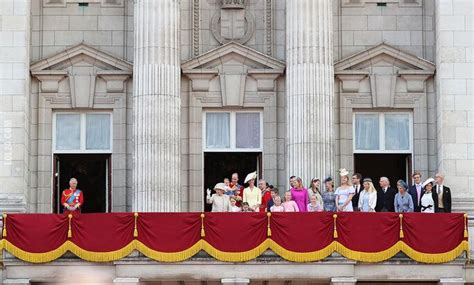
(392, 166)
(93, 174)
(220, 165)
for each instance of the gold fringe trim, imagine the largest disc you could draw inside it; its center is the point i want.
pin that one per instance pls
(436, 257)
(368, 256)
(302, 256)
(168, 256)
(269, 230)
(401, 226)
(235, 256)
(4, 231)
(135, 230)
(466, 234)
(203, 234)
(69, 231)
(107, 256)
(335, 227)
(36, 257)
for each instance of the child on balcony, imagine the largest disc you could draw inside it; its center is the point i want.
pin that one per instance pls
(233, 205)
(289, 204)
(314, 206)
(277, 206)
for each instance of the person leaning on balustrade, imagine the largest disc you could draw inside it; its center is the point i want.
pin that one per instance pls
(403, 200)
(368, 197)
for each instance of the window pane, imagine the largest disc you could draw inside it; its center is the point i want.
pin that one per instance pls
(68, 131)
(367, 132)
(248, 130)
(98, 131)
(397, 132)
(217, 130)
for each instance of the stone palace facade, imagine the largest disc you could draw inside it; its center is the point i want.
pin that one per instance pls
(148, 103)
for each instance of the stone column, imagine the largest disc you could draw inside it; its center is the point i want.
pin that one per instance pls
(156, 107)
(309, 89)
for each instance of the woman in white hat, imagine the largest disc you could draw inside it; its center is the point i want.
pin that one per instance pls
(344, 193)
(219, 201)
(429, 198)
(252, 194)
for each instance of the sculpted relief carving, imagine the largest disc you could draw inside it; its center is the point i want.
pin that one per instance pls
(233, 22)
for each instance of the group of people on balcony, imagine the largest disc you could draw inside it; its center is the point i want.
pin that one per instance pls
(353, 194)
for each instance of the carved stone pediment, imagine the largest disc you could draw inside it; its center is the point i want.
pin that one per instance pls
(82, 65)
(233, 64)
(383, 65)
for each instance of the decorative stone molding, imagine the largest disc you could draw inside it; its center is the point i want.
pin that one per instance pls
(115, 80)
(269, 26)
(232, 23)
(362, 3)
(355, 68)
(63, 3)
(49, 79)
(196, 25)
(221, 62)
(351, 79)
(82, 87)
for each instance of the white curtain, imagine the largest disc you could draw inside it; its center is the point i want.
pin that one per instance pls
(98, 131)
(397, 132)
(217, 130)
(68, 131)
(367, 132)
(248, 130)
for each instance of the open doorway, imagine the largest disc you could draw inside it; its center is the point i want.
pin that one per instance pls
(220, 165)
(392, 166)
(93, 174)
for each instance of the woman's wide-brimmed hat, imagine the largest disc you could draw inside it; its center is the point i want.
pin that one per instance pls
(250, 176)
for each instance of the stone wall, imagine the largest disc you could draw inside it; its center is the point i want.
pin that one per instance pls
(455, 100)
(14, 102)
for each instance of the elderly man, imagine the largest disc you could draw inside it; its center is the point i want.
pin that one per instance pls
(385, 196)
(444, 194)
(72, 198)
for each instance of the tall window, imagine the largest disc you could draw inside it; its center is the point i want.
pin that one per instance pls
(82, 132)
(232, 131)
(383, 132)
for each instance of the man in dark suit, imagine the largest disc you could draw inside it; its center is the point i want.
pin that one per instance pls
(356, 177)
(416, 190)
(385, 196)
(444, 194)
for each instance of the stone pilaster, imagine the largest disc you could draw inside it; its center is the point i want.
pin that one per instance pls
(455, 100)
(14, 106)
(310, 137)
(156, 107)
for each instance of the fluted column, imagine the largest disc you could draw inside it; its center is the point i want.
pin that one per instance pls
(310, 138)
(156, 107)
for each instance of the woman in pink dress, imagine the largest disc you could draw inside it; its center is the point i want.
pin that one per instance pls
(299, 194)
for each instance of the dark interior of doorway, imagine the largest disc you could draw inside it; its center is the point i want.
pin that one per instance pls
(393, 166)
(91, 172)
(220, 165)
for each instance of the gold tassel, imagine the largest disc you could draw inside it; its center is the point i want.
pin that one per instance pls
(335, 228)
(69, 231)
(135, 230)
(269, 231)
(401, 226)
(203, 234)
(465, 226)
(4, 232)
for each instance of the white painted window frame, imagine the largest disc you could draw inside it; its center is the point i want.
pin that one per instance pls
(82, 133)
(382, 132)
(232, 130)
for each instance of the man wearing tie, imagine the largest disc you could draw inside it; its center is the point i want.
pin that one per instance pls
(444, 194)
(356, 177)
(385, 196)
(415, 191)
